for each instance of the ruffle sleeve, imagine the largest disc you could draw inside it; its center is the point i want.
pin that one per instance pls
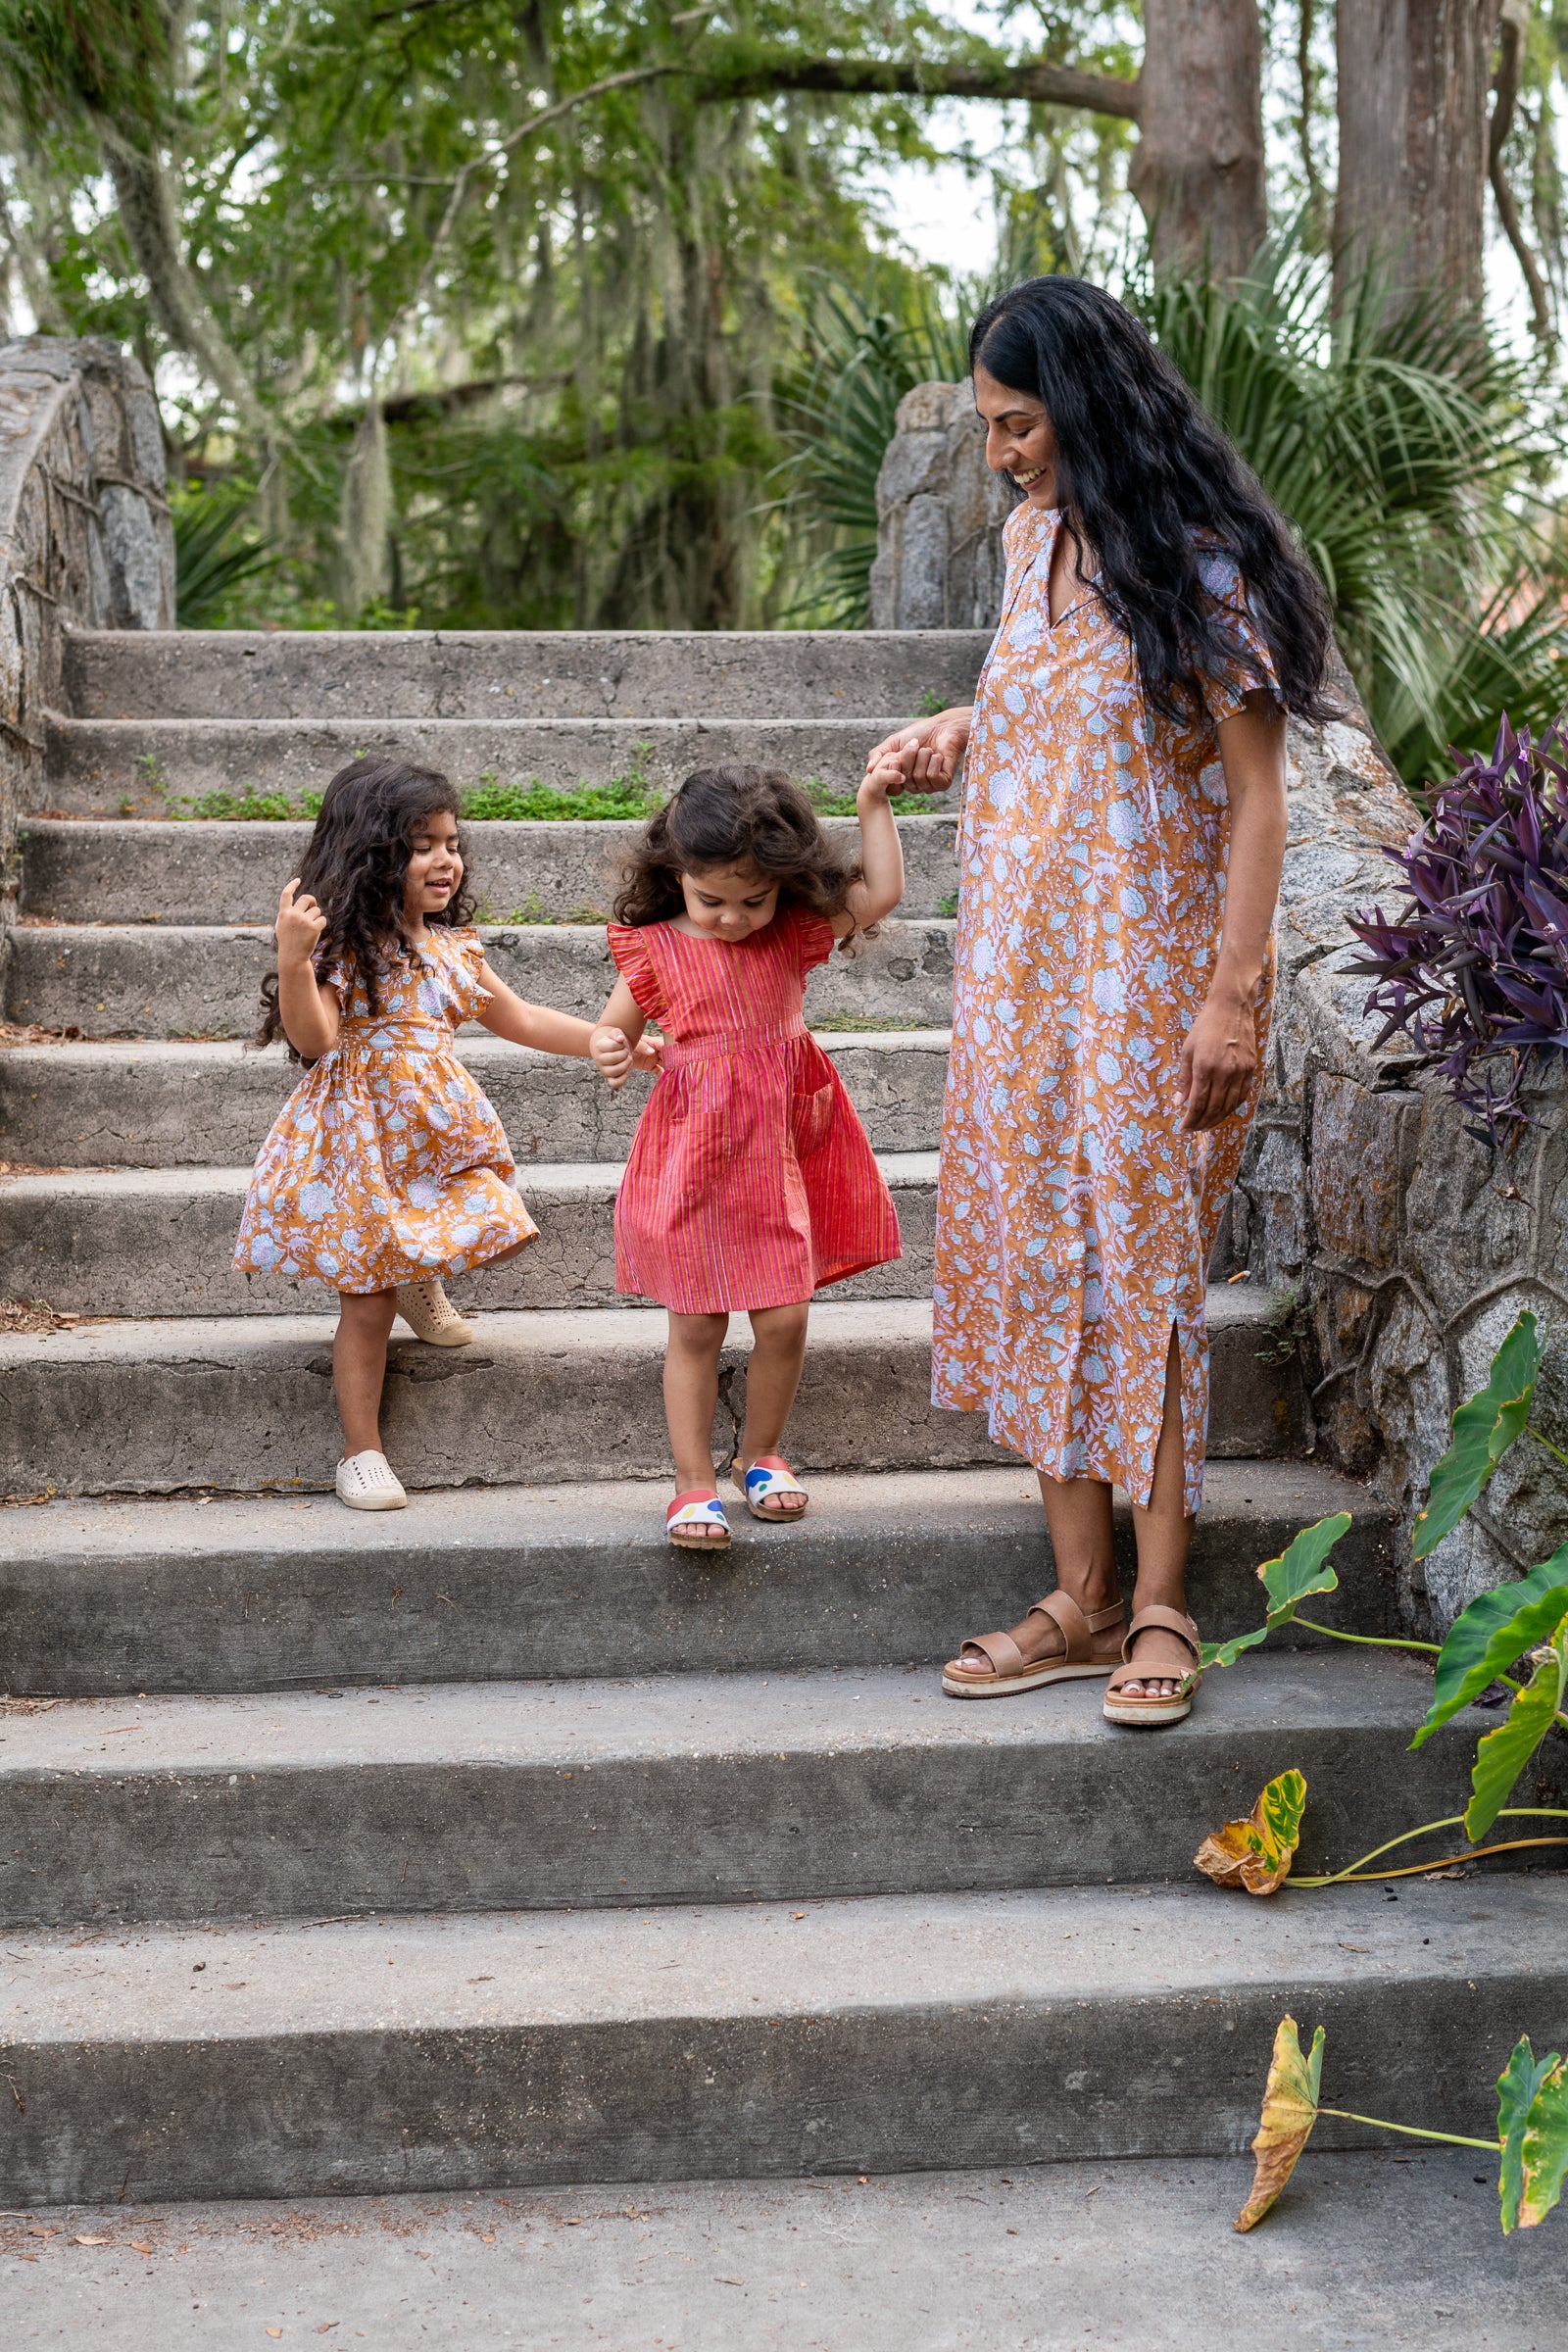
(1251, 669)
(629, 948)
(814, 940)
(462, 961)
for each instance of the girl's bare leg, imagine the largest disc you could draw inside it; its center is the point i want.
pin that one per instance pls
(1164, 1533)
(691, 1396)
(772, 1377)
(359, 1365)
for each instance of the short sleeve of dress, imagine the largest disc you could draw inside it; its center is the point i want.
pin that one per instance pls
(465, 962)
(336, 973)
(1250, 669)
(629, 948)
(814, 940)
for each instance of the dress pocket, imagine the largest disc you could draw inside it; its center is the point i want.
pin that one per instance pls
(812, 1117)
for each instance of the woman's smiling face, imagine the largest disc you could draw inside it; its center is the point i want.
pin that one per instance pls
(1019, 437)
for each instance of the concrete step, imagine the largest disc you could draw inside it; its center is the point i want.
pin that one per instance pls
(78, 870)
(160, 1242)
(680, 1788)
(1366, 2249)
(215, 872)
(538, 674)
(245, 1403)
(107, 767)
(177, 981)
(157, 1104)
(524, 1581)
(749, 2040)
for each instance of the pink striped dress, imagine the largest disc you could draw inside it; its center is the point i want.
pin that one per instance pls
(751, 1182)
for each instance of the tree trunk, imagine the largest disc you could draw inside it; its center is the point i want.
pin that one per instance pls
(1198, 172)
(1413, 77)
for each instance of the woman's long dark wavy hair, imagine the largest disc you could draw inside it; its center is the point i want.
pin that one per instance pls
(356, 867)
(1142, 468)
(736, 816)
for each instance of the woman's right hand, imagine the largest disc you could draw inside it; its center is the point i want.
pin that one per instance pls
(927, 750)
(299, 926)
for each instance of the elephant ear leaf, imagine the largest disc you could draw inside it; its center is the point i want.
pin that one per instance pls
(1483, 1429)
(1496, 1628)
(1301, 1569)
(1503, 1754)
(1533, 2128)
(1257, 1853)
(1290, 2110)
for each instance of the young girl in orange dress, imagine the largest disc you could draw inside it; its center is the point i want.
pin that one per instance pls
(751, 1183)
(386, 1167)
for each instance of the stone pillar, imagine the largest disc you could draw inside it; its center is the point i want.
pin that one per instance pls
(85, 537)
(939, 512)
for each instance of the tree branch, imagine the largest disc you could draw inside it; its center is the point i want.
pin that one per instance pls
(1510, 71)
(919, 77)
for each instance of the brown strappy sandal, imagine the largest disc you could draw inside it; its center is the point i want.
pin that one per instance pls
(1119, 1710)
(1007, 1672)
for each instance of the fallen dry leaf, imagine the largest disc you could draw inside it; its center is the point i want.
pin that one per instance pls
(274, 2331)
(1290, 2110)
(1257, 1853)
(93, 2242)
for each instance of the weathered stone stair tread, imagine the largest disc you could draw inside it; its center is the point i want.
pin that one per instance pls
(557, 1581)
(160, 1242)
(96, 765)
(565, 673)
(244, 1402)
(680, 1788)
(188, 980)
(873, 2035)
(152, 1103)
(220, 871)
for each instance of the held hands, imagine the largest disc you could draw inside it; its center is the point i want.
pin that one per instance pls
(615, 1056)
(927, 753)
(1219, 1061)
(299, 926)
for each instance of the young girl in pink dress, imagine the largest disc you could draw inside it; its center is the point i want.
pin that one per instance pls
(751, 1183)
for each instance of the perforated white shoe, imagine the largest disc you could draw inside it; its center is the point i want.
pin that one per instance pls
(430, 1314)
(368, 1482)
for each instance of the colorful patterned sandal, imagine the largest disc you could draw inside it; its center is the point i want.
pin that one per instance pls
(1004, 1671)
(1119, 1709)
(700, 1507)
(769, 1475)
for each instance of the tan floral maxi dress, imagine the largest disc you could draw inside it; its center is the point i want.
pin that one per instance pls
(1074, 1219)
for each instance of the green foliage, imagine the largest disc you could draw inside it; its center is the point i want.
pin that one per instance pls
(631, 796)
(213, 554)
(1533, 2128)
(1483, 1429)
(1301, 1570)
(247, 805)
(1496, 1628)
(1503, 1754)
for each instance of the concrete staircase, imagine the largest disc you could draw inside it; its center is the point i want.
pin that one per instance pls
(644, 1868)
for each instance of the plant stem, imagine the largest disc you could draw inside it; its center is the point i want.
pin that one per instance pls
(1421, 1870)
(1550, 1447)
(1449, 1821)
(1370, 1640)
(1379, 2123)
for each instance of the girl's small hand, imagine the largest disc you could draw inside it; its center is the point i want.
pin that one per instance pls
(928, 751)
(611, 1050)
(884, 778)
(299, 926)
(648, 1055)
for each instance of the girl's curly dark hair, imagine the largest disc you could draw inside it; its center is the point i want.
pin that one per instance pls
(356, 865)
(736, 816)
(1144, 479)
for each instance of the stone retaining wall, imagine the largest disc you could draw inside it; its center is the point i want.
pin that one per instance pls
(86, 536)
(1400, 1254)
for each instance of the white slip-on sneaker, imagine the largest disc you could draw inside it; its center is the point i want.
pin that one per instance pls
(430, 1314)
(368, 1482)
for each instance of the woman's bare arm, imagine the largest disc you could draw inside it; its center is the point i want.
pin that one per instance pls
(1219, 1058)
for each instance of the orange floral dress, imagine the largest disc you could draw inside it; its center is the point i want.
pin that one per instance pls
(388, 1160)
(1074, 1220)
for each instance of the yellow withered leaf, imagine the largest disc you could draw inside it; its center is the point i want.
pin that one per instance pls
(1257, 1853)
(1290, 2110)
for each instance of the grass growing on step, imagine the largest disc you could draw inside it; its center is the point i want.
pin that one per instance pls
(248, 804)
(534, 910)
(851, 1024)
(629, 797)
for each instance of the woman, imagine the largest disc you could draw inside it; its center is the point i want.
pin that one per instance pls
(1114, 959)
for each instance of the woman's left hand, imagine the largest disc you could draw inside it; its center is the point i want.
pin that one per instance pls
(1219, 1061)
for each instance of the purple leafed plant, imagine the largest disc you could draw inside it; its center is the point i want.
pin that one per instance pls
(1474, 966)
